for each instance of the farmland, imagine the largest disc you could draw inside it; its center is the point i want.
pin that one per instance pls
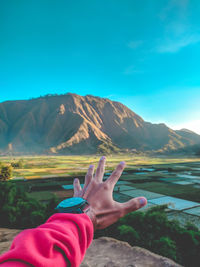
(175, 181)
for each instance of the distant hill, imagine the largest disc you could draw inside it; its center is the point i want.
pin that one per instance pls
(188, 150)
(82, 124)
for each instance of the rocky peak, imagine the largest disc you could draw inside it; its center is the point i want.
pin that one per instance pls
(62, 109)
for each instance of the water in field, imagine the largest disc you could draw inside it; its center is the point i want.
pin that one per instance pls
(182, 175)
(174, 203)
(146, 169)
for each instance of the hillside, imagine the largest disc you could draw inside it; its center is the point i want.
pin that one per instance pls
(82, 124)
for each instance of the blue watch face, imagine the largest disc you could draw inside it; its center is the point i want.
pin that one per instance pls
(71, 202)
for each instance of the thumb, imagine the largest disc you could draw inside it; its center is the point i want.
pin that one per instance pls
(134, 204)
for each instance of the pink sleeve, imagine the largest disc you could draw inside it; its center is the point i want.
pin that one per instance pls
(61, 241)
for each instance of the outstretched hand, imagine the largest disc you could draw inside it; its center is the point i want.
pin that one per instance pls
(103, 210)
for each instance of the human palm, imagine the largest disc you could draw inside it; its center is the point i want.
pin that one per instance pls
(99, 195)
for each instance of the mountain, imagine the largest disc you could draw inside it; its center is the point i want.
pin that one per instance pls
(82, 124)
(188, 134)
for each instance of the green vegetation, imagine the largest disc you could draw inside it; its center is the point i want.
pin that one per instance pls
(18, 164)
(31, 167)
(42, 178)
(18, 210)
(5, 172)
(153, 231)
(107, 148)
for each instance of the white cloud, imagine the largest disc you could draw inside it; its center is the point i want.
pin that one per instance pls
(178, 31)
(179, 6)
(172, 46)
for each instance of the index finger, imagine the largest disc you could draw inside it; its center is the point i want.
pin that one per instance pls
(114, 177)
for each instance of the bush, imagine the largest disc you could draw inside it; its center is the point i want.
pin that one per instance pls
(152, 230)
(128, 234)
(166, 247)
(18, 210)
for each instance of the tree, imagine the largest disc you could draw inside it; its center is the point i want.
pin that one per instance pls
(188, 243)
(153, 230)
(128, 234)
(18, 164)
(6, 172)
(18, 210)
(166, 247)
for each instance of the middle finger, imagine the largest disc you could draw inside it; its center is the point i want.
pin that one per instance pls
(88, 177)
(100, 169)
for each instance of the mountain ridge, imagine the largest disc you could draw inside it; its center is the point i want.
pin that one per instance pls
(72, 123)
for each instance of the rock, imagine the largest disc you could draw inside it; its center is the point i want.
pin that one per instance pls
(6, 237)
(109, 252)
(62, 109)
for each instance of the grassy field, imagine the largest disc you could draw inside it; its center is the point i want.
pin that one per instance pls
(39, 166)
(43, 176)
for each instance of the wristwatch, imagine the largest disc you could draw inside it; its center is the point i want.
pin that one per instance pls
(72, 205)
(77, 205)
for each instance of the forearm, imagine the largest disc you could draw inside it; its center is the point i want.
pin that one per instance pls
(63, 239)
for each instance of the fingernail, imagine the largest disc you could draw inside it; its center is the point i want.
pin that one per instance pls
(91, 166)
(142, 201)
(122, 163)
(103, 157)
(76, 180)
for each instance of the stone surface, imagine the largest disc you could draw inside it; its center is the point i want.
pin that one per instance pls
(6, 236)
(109, 252)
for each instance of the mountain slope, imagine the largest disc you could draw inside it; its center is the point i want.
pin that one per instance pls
(75, 124)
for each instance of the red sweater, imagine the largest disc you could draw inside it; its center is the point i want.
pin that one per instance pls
(61, 241)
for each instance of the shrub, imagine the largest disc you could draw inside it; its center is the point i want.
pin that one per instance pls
(152, 230)
(18, 210)
(166, 247)
(128, 234)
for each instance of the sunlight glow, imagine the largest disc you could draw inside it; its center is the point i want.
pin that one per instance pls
(190, 125)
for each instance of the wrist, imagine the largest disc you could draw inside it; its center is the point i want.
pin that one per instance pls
(89, 211)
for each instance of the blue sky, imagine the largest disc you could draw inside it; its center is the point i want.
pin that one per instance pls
(144, 54)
